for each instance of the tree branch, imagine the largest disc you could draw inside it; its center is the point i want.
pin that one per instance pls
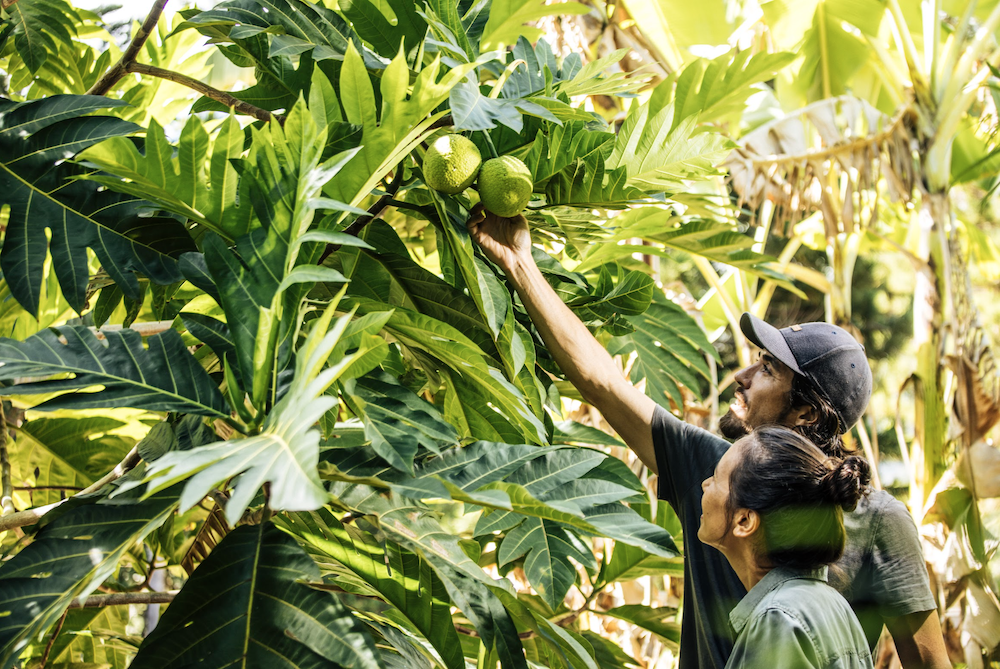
(360, 222)
(32, 516)
(55, 633)
(122, 598)
(221, 97)
(6, 487)
(119, 69)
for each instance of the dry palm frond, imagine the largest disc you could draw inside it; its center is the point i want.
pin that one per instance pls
(209, 535)
(836, 156)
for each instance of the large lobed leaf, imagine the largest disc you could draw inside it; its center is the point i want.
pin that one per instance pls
(405, 121)
(399, 577)
(294, 26)
(40, 28)
(69, 557)
(179, 181)
(670, 349)
(245, 606)
(163, 377)
(35, 140)
(286, 451)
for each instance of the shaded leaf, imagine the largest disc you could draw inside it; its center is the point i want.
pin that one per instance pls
(40, 27)
(671, 350)
(547, 547)
(245, 605)
(397, 420)
(164, 377)
(397, 576)
(70, 556)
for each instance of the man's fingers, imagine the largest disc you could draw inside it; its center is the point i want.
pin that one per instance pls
(476, 216)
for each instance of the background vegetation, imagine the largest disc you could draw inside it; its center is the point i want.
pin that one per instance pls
(255, 370)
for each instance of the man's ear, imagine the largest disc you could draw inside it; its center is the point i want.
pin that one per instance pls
(801, 415)
(745, 523)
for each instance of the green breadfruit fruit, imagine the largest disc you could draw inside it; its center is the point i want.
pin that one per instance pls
(451, 164)
(505, 186)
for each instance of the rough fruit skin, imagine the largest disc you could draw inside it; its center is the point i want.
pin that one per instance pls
(505, 186)
(451, 164)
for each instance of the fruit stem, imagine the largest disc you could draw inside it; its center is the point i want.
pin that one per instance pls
(489, 144)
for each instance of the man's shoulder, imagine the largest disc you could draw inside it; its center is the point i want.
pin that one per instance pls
(877, 511)
(669, 430)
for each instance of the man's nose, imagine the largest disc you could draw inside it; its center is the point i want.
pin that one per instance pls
(744, 375)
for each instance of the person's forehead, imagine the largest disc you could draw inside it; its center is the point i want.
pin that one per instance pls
(731, 456)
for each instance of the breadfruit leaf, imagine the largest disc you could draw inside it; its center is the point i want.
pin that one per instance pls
(246, 605)
(69, 557)
(36, 139)
(163, 377)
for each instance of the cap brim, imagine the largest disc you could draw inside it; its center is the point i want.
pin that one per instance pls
(770, 339)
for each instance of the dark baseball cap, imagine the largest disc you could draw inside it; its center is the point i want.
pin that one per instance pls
(827, 355)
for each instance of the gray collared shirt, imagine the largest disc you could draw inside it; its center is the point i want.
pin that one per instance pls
(793, 620)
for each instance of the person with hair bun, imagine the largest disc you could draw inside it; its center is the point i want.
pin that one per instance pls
(775, 508)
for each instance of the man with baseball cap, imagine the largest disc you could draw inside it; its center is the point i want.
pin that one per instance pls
(812, 377)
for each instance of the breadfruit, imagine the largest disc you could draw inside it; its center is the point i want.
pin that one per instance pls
(505, 186)
(451, 164)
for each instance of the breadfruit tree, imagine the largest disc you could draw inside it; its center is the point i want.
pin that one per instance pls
(248, 354)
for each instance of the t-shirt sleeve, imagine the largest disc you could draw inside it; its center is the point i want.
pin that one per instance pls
(900, 584)
(685, 455)
(776, 639)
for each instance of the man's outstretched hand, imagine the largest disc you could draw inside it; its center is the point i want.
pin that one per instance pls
(506, 241)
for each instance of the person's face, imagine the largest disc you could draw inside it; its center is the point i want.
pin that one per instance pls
(714, 528)
(763, 392)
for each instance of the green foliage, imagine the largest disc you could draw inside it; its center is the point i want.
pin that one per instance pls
(670, 351)
(70, 557)
(164, 377)
(35, 140)
(179, 181)
(386, 429)
(360, 563)
(285, 452)
(40, 28)
(245, 603)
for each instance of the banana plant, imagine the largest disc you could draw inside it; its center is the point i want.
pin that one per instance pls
(340, 433)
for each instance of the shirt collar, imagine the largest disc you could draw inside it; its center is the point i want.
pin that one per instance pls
(740, 615)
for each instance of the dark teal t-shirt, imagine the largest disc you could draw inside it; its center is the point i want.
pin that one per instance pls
(882, 573)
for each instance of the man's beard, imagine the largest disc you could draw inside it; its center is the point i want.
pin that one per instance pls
(732, 426)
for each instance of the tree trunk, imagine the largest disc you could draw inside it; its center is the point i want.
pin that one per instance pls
(930, 425)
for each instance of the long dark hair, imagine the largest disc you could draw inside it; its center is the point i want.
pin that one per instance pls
(826, 431)
(800, 494)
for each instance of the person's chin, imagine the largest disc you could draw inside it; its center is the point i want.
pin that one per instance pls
(732, 426)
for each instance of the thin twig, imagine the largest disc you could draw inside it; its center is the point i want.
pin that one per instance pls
(122, 598)
(376, 209)
(32, 516)
(31, 488)
(119, 69)
(6, 488)
(221, 97)
(55, 633)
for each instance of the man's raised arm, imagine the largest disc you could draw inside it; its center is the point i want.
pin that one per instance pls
(587, 364)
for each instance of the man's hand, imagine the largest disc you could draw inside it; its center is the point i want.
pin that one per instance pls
(506, 241)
